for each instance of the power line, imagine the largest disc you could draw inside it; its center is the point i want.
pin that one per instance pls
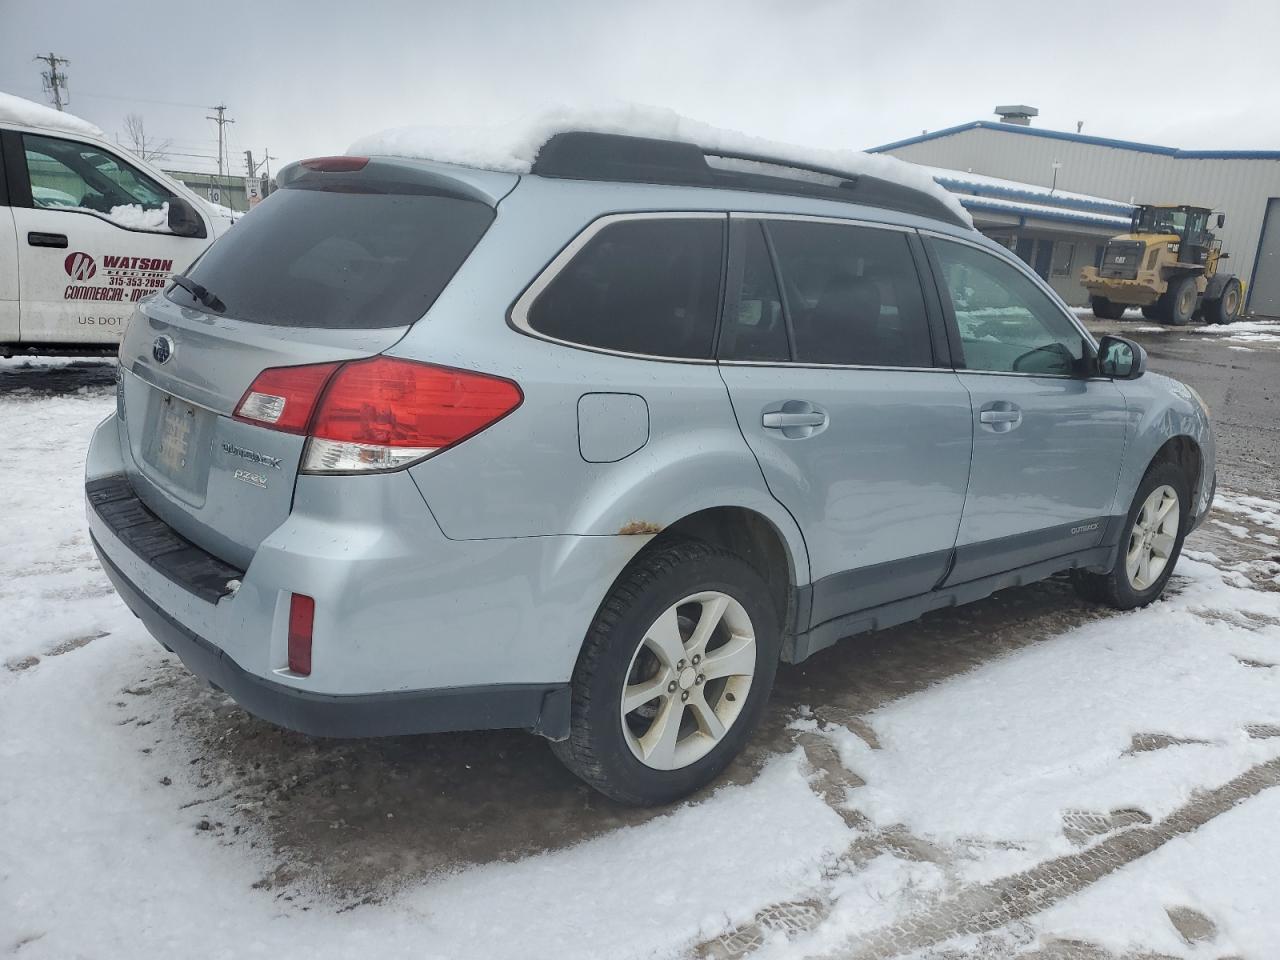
(55, 81)
(167, 103)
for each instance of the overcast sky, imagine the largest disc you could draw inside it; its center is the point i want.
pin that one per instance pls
(309, 78)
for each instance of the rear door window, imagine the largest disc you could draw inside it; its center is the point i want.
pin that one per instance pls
(339, 259)
(853, 294)
(648, 286)
(758, 329)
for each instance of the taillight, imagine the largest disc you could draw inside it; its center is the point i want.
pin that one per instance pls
(375, 414)
(383, 413)
(302, 615)
(283, 397)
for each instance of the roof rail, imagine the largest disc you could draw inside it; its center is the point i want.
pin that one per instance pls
(582, 155)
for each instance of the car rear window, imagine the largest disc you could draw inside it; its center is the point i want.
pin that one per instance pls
(309, 257)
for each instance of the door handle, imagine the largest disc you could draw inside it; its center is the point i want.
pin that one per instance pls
(779, 420)
(57, 240)
(1000, 416)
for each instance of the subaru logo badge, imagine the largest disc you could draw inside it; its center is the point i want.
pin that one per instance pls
(162, 349)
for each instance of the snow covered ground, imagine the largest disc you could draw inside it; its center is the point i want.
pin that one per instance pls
(1101, 785)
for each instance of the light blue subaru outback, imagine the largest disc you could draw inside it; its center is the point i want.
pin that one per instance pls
(418, 447)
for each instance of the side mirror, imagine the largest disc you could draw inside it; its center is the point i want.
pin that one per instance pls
(1222, 219)
(183, 219)
(1121, 359)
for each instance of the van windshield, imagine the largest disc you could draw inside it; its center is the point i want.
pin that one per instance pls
(309, 257)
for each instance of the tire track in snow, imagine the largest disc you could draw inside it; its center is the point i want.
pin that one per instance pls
(987, 907)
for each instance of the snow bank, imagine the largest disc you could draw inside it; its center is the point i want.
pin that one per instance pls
(18, 110)
(512, 148)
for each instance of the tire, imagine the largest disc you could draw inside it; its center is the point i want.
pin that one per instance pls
(1179, 302)
(1120, 587)
(1226, 308)
(1151, 312)
(1105, 309)
(680, 584)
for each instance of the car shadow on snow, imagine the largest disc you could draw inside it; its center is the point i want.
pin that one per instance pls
(356, 819)
(55, 377)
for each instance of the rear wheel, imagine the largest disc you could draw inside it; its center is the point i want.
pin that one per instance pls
(673, 676)
(1179, 301)
(1149, 546)
(1105, 309)
(1226, 308)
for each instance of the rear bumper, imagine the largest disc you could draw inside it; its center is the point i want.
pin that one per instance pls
(540, 708)
(413, 632)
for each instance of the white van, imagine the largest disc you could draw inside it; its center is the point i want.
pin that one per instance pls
(86, 230)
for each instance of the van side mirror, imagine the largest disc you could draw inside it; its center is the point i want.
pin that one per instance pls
(183, 219)
(1222, 219)
(1121, 359)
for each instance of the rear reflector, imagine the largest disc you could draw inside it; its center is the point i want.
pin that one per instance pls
(302, 614)
(336, 164)
(283, 397)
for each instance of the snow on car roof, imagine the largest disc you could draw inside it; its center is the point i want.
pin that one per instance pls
(512, 148)
(31, 114)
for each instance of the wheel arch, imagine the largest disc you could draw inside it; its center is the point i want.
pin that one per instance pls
(752, 536)
(1184, 453)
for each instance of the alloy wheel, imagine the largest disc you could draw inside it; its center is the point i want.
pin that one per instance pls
(1153, 537)
(688, 680)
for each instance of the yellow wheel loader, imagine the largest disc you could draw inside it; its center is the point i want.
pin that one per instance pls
(1167, 264)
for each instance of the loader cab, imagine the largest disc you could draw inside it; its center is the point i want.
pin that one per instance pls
(1185, 225)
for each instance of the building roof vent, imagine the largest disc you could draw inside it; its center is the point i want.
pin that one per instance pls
(1018, 113)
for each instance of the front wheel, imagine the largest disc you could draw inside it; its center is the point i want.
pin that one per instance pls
(1149, 546)
(1178, 304)
(673, 675)
(1226, 309)
(1105, 309)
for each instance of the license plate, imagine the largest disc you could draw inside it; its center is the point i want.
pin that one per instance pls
(173, 436)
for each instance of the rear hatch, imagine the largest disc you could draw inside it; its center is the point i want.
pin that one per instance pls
(334, 266)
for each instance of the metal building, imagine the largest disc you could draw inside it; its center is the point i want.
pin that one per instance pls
(1243, 184)
(1056, 232)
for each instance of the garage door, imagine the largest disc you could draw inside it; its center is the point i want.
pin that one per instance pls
(1264, 292)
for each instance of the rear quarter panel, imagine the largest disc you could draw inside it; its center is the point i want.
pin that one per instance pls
(525, 476)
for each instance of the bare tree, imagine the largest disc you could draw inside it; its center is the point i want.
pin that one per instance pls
(145, 149)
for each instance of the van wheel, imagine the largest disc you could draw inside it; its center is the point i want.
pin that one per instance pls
(1179, 302)
(673, 676)
(1149, 546)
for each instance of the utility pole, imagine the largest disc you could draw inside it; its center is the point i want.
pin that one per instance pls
(266, 160)
(249, 164)
(222, 121)
(55, 81)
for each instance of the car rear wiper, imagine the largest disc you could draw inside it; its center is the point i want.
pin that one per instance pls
(200, 292)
